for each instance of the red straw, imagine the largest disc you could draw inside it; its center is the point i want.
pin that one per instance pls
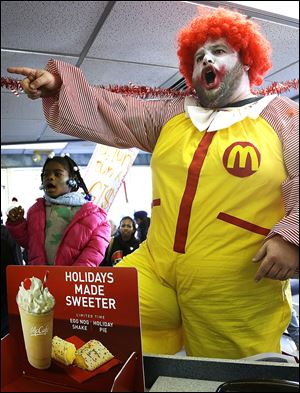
(45, 278)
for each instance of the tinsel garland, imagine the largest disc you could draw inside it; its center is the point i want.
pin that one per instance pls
(278, 87)
(146, 92)
(11, 84)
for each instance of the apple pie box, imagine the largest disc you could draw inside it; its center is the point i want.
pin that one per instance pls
(89, 341)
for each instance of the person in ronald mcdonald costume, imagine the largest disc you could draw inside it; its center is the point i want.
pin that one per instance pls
(223, 241)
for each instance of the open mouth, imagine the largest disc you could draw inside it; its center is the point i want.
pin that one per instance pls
(50, 187)
(210, 78)
(209, 75)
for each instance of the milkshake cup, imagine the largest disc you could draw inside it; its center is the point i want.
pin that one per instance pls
(37, 333)
(36, 307)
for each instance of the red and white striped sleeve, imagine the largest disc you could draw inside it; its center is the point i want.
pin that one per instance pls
(283, 115)
(97, 115)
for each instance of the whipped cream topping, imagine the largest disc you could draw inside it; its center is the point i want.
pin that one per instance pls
(36, 298)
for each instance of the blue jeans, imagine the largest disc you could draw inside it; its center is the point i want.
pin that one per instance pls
(293, 328)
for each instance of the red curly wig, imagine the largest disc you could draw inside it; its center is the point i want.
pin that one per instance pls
(240, 33)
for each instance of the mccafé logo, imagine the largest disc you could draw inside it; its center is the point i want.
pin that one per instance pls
(241, 159)
(40, 331)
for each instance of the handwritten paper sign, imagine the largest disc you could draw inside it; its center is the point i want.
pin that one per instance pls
(106, 171)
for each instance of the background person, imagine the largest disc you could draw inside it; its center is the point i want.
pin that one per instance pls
(143, 222)
(122, 243)
(11, 254)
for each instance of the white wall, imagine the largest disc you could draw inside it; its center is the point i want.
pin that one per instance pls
(23, 183)
(139, 193)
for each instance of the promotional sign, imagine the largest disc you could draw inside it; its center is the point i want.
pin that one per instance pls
(106, 171)
(76, 327)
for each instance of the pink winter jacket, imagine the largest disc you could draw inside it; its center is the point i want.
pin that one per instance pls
(84, 241)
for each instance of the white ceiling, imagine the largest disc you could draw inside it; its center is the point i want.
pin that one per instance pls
(113, 42)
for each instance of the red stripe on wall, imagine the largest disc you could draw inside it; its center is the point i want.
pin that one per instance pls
(155, 202)
(190, 191)
(243, 224)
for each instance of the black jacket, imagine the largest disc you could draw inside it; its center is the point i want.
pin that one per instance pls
(118, 249)
(11, 254)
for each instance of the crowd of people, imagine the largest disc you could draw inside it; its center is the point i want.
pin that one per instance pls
(223, 241)
(65, 227)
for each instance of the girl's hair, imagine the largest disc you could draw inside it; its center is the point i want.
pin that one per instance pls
(74, 173)
(240, 33)
(131, 219)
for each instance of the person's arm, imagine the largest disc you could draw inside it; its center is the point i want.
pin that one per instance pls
(73, 107)
(17, 226)
(279, 255)
(94, 250)
(93, 253)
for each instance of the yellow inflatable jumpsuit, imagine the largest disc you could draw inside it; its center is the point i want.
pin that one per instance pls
(216, 196)
(214, 201)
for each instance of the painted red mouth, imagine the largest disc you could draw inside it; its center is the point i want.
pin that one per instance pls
(210, 78)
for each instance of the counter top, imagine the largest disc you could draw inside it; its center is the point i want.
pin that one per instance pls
(192, 373)
(168, 384)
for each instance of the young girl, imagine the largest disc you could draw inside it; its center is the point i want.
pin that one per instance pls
(123, 242)
(63, 227)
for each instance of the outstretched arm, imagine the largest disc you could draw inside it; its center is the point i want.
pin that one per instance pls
(72, 106)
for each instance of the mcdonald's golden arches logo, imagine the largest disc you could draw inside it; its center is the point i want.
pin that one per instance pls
(241, 159)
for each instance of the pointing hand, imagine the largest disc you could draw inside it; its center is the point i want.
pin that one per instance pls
(38, 83)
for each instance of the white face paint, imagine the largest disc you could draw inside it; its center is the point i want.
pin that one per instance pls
(219, 77)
